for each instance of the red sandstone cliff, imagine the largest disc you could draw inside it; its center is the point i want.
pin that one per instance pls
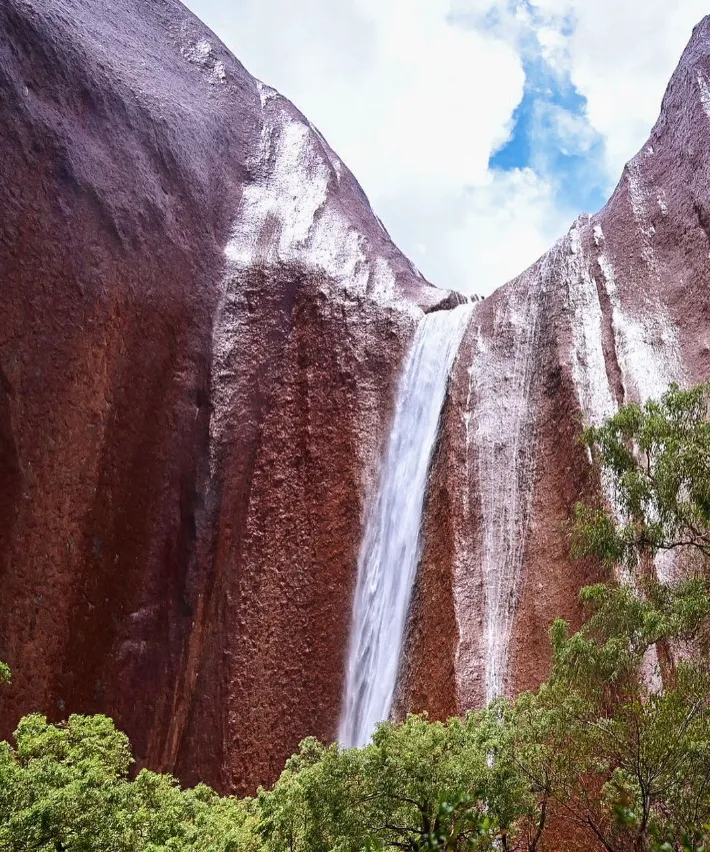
(203, 324)
(614, 312)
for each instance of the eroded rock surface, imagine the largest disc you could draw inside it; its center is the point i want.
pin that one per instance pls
(202, 329)
(614, 312)
(202, 322)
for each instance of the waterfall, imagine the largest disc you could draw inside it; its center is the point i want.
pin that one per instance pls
(387, 562)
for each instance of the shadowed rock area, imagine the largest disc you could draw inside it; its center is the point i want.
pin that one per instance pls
(202, 330)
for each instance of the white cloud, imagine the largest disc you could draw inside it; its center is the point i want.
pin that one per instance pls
(484, 235)
(415, 96)
(620, 55)
(624, 66)
(399, 93)
(510, 220)
(573, 133)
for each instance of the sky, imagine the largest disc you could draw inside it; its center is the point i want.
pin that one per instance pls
(479, 129)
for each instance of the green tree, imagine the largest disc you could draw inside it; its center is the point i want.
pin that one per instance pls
(65, 788)
(596, 750)
(657, 460)
(627, 775)
(628, 762)
(418, 785)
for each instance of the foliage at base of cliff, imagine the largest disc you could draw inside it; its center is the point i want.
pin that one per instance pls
(66, 787)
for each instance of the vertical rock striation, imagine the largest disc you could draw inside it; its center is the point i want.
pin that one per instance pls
(202, 333)
(613, 313)
(202, 327)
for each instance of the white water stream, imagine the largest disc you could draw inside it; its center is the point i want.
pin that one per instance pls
(389, 554)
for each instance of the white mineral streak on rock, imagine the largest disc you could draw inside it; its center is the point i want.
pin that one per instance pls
(646, 344)
(646, 350)
(202, 53)
(229, 338)
(291, 212)
(291, 217)
(651, 671)
(266, 93)
(466, 594)
(501, 429)
(704, 93)
(666, 567)
(390, 549)
(333, 158)
(637, 195)
(277, 214)
(589, 372)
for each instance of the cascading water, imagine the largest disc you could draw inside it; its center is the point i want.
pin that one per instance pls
(389, 554)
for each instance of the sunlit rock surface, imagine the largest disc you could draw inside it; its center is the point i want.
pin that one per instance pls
(614, 312)
(202, 329)
(202, 324)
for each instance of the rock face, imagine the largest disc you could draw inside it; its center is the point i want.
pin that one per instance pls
(613, 313)
(203, 325)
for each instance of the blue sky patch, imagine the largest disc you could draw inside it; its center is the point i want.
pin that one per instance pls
(552, 136)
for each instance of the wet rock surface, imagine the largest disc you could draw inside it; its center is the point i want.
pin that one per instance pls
(202, 329)
(613, 313)
(202, 323)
